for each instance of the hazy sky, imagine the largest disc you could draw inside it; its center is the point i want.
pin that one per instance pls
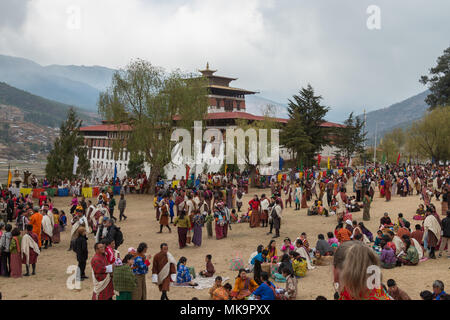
(272, 46)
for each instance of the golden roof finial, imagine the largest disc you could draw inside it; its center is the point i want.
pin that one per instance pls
(207, 65)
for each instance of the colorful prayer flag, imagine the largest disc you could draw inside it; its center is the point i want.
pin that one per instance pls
(75, 165)
(187, 172)
(398, 159)
(328, 162)
(9, 176)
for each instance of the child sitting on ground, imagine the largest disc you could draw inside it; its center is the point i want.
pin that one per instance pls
(217, 284)
(209, 272)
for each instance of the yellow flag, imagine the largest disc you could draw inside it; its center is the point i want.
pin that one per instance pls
(9, 176)
(328, 162)
(226, 167)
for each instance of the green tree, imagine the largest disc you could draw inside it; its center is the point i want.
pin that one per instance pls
(439, 82)
(69, 143)
(304, 134)
(350, 139)
(389, 148)
(429, 136)
(135, 165)
(268, 123)
(148, 100)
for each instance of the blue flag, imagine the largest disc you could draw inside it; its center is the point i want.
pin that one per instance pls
(281, 161)
(115, 172)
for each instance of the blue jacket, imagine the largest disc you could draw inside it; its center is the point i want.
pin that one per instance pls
(265, 292)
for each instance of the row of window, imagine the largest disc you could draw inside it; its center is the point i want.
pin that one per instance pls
(108, 165)
(107, 154)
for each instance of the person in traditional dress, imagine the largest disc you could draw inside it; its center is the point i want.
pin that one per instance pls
(219, 220)
(183, 274)
(289, 192)
(304, 197)
(124, 280)
(264, 210)
(101, 274)
(5, 242)
(164, 270)
(47, 228)
(366, 202)
(255, 207)
(30, 250)
(164, 209)
(56, 238)
(198, 221)
(183, 222)
(222, 292)
(244, 286)
(410, 256)
(445, 200)
(432, 233)
(298, 196)
(140, 270)
(15, 254)
(276, 216)
(209, 271)
(36, 222)
(341, 199)
(79, 220)
(387, 188)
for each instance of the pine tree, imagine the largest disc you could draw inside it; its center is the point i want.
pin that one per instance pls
(350, 140)
(69, 143)
(304, 134)
(439, 82)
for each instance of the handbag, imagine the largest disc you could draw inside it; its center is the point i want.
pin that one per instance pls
(188, 237)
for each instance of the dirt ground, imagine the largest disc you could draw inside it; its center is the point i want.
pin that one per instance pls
(141, 225)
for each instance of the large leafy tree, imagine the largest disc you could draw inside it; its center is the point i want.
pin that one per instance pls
(439, 82)
(69, 144)
(350, 139)
(135, 166)
(304, 134)
(147, 99)
(268, 123)
(429, 136)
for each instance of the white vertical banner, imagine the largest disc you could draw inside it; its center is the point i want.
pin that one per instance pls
(75, 165)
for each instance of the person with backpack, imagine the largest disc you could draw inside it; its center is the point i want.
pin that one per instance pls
(111, 233)
(22, 220)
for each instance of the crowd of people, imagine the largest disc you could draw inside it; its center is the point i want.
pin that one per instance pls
(215, 201)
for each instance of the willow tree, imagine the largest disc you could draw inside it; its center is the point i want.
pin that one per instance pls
(145, 100)
(430, 135)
